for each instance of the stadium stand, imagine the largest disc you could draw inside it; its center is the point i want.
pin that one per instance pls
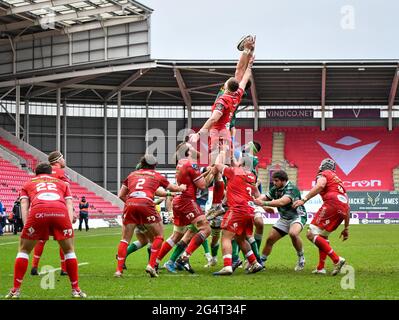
(366, 157)
(12, 178)
(28, 159)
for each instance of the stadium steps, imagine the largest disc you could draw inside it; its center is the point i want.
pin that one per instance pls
(396, 178)
(278, 160)
(12, 178)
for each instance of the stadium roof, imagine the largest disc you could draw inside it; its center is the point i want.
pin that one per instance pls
(180, 82)
(26, 19)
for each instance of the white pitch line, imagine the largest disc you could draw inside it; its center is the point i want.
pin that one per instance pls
(97, 235)
(56, 269)
(4, 244)
(92, 235)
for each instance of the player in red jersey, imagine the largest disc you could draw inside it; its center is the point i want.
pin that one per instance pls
(217, 128)
(46, 205)
(186, 211)
(138, 192)
(334, 210)
(57, 162)
(239, 219)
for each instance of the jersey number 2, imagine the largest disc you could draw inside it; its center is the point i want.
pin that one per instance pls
(42, 186)
(139, 184)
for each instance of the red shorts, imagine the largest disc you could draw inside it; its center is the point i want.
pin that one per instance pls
(330, 216)
(43, 222)
(185, 211)
(239, 221)
(140, 211)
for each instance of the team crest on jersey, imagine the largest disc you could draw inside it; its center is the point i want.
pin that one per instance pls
(31, 231)
(67, 232)
(219, 107)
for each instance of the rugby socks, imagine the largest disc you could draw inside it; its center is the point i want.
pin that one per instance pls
(155, 247)
(180, 247)
(263, 257)
(149, 245)
(322, 258)
(62, 258)
(71, 264)
(214, 250)
(227, 260)
(205, 245)
(250, 257)
(20, 267)
(122, 250)
(300, 253)
(235, 250)
(134, 246)
(195, 242)
(324, 246)
(166, 247)
(37, 253)
(258, 239)
(218, 192)
(254, 247)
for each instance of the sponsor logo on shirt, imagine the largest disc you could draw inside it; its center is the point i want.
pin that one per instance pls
(49, 196)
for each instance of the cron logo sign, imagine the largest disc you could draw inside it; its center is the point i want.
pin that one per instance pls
(348, 160)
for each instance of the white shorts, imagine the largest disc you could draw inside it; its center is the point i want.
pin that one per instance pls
(317, 231)
(284, 225)
(259, 211)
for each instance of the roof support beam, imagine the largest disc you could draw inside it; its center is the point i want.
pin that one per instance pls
(126, 83)
(185, 94)
(217, 84)
(68, 30)
(323, 98)
(108, 87)
(80, 73)
(392, 96)
(73, 93)
(36, 6)
(65, 83)
(255, 100)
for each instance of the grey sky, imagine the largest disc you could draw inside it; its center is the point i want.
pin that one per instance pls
(285, 29)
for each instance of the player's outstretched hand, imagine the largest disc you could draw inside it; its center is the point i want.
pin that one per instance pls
(194, 137)
(344, 234)
(258, 202)
(182, 187)
(250, 44)
(297, 204)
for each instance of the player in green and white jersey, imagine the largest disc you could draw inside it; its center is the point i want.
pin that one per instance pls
(282, 196)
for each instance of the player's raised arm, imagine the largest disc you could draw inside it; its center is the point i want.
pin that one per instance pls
(247, 74)
(164, 194)
(215, 116)
(176, 188)
(249, 47)
(320, 185)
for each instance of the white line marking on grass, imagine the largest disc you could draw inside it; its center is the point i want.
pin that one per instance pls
(4, 244)
(98, 235)
(56, 269)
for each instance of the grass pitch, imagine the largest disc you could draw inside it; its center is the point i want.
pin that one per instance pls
(372, 251)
